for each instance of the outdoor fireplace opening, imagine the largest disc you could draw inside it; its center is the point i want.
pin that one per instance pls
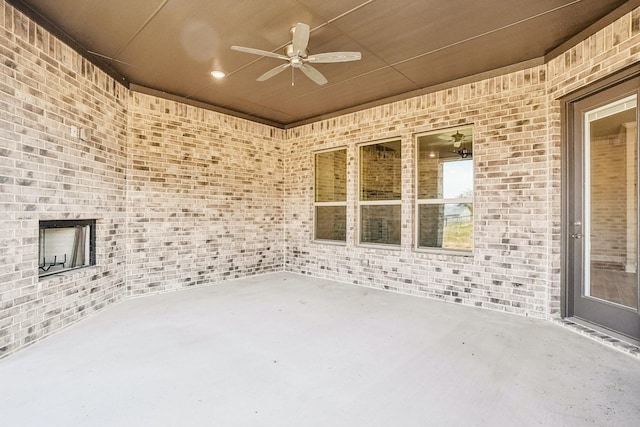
(66, 245)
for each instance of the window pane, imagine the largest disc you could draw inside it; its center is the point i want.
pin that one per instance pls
(381, 171)
(331, 223)
(331, 176)
(446, 226)
(380, 224)
(457, 179)
(610, 193)
(445, 165)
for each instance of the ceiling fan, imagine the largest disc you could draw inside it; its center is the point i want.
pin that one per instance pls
(457, 138)
(297, 56)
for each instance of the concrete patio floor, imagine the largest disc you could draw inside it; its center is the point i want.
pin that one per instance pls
(288, 350)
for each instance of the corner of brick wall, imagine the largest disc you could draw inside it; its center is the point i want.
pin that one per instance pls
(45, 173)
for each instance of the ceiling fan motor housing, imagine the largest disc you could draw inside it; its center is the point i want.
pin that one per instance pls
(290, 53)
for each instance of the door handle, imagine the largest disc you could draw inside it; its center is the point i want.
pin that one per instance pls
(577, 227)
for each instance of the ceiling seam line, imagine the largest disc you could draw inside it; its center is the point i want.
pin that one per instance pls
(327, 23)
(393, 65)
(495, 30)
(335, 84)
(142, 27)
(53, 28)
(342, 15)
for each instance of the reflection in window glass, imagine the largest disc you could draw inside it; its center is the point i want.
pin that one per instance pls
(445, 226)
(445, 190)
(330, 177)
(380, 192)
(380, 171)
(380, 224)
(331, 223)
(610, 184)
(457, 179)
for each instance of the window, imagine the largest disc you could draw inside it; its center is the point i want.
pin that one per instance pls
(66, 245)
(445, 190)
(330, 216)
(380, 192)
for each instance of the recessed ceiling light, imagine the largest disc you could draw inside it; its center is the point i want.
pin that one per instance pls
(218, 74)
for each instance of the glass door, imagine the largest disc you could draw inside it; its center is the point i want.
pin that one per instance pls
(603, 233)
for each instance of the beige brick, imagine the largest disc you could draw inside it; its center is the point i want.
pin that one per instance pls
(189, 197)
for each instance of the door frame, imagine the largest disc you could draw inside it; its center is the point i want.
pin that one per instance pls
(567, 178)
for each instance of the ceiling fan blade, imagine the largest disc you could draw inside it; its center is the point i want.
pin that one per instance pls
(259, 52)
(300, 38)
(273, 72)
(313, 74)
(325, 58)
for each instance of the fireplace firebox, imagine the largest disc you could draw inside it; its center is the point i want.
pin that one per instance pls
(66, 245)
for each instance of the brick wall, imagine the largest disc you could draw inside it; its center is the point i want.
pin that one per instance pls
(183, 196)
(188, 197)
(47, 174)
(516, 264)
(204, 194)
(600, 55)
(508, 268)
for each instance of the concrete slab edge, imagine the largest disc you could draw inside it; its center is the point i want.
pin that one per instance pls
(601, 337)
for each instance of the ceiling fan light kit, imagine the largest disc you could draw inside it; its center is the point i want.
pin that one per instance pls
(297, 56)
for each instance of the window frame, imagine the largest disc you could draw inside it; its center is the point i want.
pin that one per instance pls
(317, 204)
(360, 203)
(441, 201)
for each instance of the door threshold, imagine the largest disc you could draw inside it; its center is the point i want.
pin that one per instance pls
(605, 336)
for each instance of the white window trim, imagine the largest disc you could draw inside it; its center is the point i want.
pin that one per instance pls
(380, 202)
(443, 201)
